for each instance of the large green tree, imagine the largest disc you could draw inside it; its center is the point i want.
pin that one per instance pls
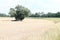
(19, 12)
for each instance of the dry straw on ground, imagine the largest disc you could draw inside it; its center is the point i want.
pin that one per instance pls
(28, 29)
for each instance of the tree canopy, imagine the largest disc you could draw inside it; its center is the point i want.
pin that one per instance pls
(19, 11)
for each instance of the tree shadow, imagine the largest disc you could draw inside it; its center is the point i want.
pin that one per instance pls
(11, 20)
(15, 20)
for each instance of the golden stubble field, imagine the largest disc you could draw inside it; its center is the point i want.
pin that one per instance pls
(28, 29)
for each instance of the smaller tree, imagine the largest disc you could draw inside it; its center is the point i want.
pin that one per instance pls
(12, 12)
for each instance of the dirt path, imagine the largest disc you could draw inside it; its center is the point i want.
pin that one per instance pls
(28, 29)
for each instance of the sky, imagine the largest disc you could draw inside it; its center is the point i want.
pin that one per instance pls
(33, 5)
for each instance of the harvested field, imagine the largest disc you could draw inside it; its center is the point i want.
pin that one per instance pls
(29, 29)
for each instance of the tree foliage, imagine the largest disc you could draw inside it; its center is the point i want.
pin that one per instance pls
(22, 10)
(12, 12)
(49, 14)
(19, 12)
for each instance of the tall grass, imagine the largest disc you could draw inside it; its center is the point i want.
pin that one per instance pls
(53, 34)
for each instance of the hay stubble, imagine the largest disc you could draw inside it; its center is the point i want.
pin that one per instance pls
(28, 29)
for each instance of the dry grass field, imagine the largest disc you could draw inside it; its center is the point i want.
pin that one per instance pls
(29, 29)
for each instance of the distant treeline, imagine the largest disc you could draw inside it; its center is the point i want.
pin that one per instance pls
(38, 14)
(42, 14)
(3, 15)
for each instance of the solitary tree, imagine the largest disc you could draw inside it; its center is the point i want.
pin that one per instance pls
(19, 12)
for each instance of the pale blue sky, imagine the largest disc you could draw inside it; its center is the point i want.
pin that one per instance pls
(33, 5)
